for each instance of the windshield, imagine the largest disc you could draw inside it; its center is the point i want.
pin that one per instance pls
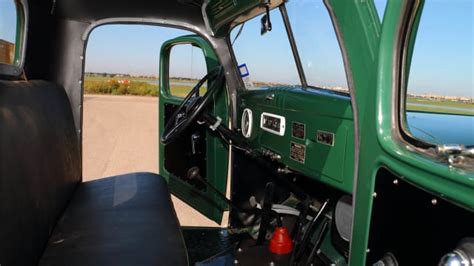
(317, 45)
(267, 60)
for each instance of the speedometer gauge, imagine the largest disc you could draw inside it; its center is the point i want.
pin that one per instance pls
(246, 123)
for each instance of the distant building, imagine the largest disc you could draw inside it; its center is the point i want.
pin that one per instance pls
(7, 52)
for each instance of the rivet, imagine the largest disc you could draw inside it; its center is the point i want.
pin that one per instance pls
(80, 81)
(368, 250)
(272, 263)
(236, 262)
(82, 57)
(395, 182)
(434, 201)
(239, 250)
(374, 194)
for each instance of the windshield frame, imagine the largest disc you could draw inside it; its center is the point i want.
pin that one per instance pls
(295, 53)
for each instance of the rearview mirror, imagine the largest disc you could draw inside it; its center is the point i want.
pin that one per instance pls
(266, 24)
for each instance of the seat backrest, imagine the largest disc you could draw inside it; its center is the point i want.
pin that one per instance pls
(40, 166)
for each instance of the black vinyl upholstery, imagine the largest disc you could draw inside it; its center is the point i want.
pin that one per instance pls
(122, 220)
(39, 166)
(48, 216)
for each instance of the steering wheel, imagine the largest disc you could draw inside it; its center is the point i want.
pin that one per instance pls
(192, 105)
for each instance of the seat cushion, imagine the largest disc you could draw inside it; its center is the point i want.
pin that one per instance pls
(122, 220)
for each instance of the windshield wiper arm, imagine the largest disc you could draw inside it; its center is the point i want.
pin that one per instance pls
(238, 33)
(294, 48)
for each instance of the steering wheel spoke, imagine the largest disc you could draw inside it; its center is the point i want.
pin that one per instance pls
(192, 106)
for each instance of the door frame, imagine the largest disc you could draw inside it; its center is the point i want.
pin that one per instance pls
(206, 202)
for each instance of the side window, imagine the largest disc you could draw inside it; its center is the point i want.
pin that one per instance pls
(9, 32)
(439, 107)
(318, 46)
(187, 67)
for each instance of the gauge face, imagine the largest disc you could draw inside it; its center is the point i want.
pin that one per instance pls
(246, 123)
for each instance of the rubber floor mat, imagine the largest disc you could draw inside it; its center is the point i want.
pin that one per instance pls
(203, 243)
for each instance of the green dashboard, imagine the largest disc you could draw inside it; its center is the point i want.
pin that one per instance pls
(310, 131)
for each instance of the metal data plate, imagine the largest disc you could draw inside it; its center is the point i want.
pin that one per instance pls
(297, 152)
(326, 138)
(298, 130)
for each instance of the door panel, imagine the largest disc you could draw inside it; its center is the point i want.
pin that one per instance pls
(208, 153)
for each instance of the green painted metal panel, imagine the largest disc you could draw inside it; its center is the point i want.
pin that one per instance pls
(454, 184)
(318, 110)
(370, 49)
(360, 29)
(207, 202)
(332, 254)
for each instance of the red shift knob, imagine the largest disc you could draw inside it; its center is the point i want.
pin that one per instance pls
(281, 241)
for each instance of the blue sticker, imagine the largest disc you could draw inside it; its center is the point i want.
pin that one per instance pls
(244, 71)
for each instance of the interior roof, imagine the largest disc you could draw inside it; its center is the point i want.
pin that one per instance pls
(90, 11)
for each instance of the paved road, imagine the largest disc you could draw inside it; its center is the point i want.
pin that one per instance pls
(121, 136)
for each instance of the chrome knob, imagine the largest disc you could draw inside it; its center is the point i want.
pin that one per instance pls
(454, 259)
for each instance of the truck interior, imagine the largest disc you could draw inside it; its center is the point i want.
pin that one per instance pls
(304, 175)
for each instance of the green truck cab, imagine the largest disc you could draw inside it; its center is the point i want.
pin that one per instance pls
(294, 174)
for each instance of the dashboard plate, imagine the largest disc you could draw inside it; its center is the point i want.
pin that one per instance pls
(298, 130)
(324, 137)
(297, 152)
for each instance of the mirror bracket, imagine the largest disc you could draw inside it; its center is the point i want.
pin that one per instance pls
(266, 22)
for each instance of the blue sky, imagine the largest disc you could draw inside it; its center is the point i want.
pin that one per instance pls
(135, 49)
(7, 20)
(442, 61)
(443, 57)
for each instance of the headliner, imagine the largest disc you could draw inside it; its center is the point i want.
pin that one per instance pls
(169, 11)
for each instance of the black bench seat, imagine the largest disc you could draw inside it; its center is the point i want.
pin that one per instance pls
(122, 220)
(48, 216)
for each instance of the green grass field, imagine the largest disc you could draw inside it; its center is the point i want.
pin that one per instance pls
(180, 88)
(446, 107)
(137, 86)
